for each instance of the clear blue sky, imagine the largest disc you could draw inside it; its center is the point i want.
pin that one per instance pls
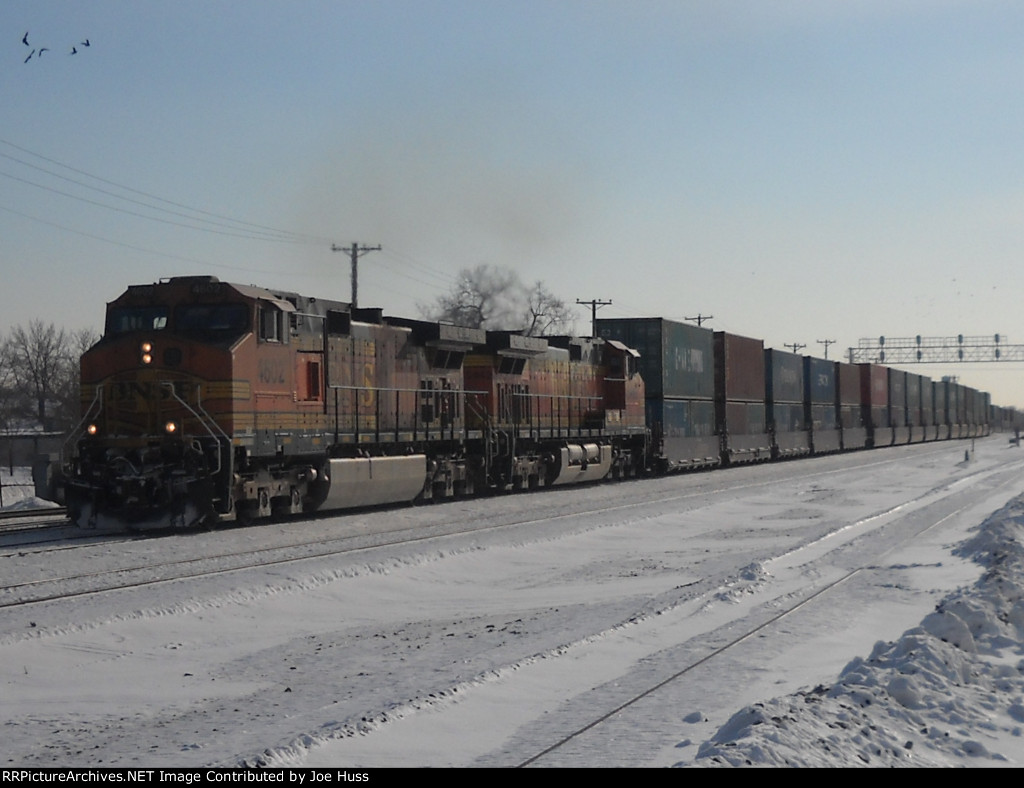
(801, 170)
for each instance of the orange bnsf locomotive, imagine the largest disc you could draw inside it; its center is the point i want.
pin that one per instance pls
(206, 401)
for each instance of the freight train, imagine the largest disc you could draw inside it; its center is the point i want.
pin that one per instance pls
(206, 401)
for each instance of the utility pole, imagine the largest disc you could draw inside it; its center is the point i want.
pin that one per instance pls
(794, 345)
(355, 251)
(826, 343)
(594, 304)
(699, 320)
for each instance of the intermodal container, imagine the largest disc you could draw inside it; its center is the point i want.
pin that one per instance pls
(874, 392)
(913, 399)
(819, 381)
(898, 406)
(821, 404)
(739, 368)
(940, 396)
(682, 418)
(784, 394)
(676, 359)
(928, 420)
(849, 383)
(740, 398)
(784, 376)
(686, 431)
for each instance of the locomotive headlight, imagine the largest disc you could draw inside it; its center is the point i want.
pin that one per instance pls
(171, 427)
(147, 352)
(92, 429)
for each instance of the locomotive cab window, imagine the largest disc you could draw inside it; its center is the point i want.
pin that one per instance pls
(121, 320)
(219, 319)
(272, 325)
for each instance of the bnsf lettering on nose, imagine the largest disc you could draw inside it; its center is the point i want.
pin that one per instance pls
(126, 390)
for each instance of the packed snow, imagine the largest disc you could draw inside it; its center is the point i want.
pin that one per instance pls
(17, 492)
(651, 623)
(948, 691)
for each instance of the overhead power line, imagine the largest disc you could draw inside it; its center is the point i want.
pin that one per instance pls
(255, 230)
(237, 228)
(229, 232)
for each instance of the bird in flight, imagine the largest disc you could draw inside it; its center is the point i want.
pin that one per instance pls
(38, 53)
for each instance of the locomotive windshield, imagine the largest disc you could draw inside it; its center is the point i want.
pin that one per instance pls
(225, 320)
(121, 320)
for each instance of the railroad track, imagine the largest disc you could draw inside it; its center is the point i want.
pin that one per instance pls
(581, 730)
(36, 591)
(27, 514)
(32, 519)
(621, 710)
(588, 718)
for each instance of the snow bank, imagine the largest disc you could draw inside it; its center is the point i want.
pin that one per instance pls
(17, 491)
(949, 689)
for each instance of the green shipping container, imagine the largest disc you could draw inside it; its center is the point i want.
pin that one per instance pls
(676, 359)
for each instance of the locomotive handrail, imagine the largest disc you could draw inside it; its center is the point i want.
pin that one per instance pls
(556, 415)
(97, 403)
(200, 417)
(578, 403)
(402, 390)
(377, 390)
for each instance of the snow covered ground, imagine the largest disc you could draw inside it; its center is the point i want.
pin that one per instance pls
(854, 610)
(17, 491)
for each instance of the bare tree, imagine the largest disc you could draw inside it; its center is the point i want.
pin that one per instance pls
(546, 313)
(9, 400)
(495, 298)
(67, 388)
(482, 297)
(39, 357)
